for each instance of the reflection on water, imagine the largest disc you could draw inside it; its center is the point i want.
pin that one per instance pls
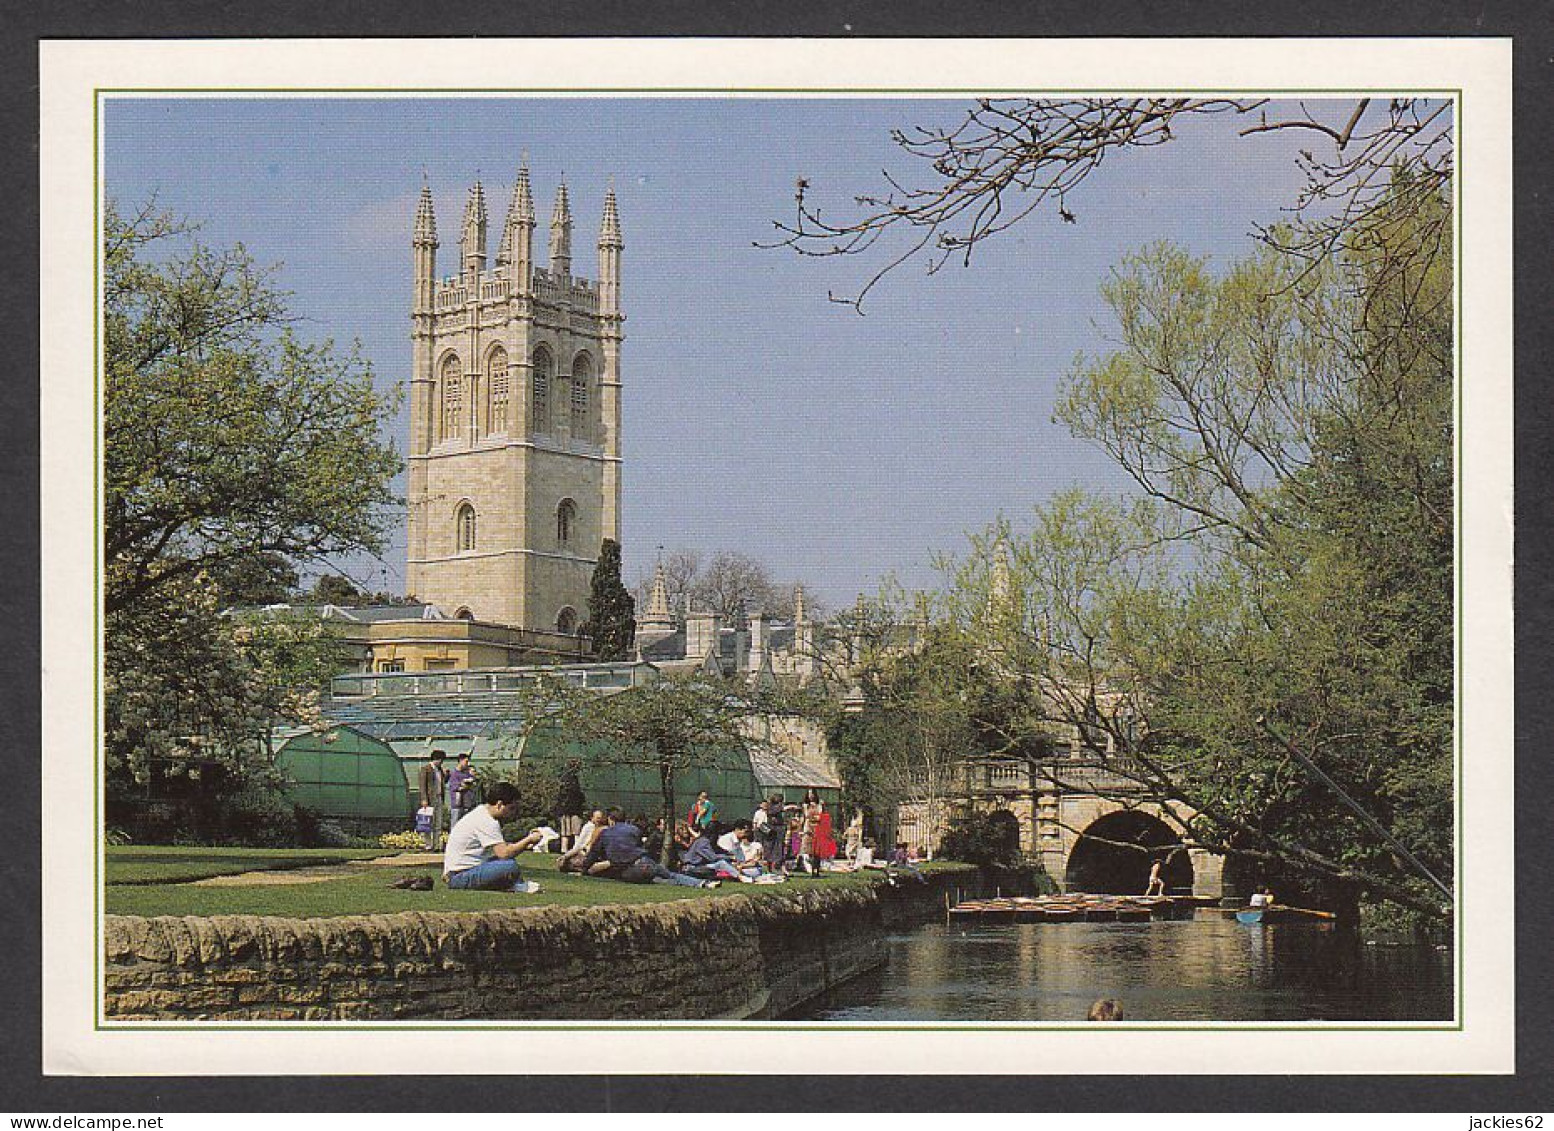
(1208, 970)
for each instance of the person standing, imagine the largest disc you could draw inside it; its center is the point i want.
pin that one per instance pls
(1156, 881)
(461, 790)
(703, 813)
(434, 780)
(852, 839)
(767, 826)
(809, 824)
(478, 856)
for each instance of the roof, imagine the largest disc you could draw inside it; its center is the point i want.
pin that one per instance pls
(671, 647)
(776, 768)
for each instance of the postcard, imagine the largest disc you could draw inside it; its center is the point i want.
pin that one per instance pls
(921, 555)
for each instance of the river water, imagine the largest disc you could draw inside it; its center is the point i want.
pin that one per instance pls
(1203, 970)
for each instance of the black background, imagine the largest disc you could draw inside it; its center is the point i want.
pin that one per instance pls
(22, 1086)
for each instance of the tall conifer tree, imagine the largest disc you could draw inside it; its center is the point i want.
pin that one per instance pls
(612, 611)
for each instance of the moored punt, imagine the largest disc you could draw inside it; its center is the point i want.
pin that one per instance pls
(1134, 914)
(1101, 913)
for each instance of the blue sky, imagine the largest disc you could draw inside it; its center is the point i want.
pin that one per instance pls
(758, 415)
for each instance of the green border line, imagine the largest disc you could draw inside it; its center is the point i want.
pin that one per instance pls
(102, 1026)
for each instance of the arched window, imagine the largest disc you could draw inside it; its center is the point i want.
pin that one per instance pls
(465, 522)
(582, 381)
(543, 371)
(566, 620)
(452, 396)
(566, 514)
(464, 614)
(496, 388)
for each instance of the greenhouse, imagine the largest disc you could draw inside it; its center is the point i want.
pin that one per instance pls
(406, 719)
(345, 775)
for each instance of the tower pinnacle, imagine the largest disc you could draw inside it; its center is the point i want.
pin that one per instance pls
(610, 226)
(425, 218)
(472, 241)
(561, 234)
(520, 214)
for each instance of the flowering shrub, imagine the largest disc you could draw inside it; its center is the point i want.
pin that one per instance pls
(409, 841)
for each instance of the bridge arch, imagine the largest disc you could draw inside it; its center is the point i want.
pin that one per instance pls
(1114, 853)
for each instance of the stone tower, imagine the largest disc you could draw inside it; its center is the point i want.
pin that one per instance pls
(514, 454)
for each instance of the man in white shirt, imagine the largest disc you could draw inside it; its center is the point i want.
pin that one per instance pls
(571, 860)
(478, 857)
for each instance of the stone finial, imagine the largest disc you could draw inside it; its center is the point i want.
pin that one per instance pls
(520, 214)
(523, 200)
(472, 240)
(561, 234)
(610, 226)
(475, 207)
(425, 218)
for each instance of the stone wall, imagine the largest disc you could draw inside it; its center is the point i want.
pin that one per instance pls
(752, 955)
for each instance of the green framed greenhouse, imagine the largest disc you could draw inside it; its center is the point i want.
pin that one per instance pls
(471, 712)
(347, 776)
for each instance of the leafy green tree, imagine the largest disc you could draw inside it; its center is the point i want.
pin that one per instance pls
(332, 589)
(261, 579)
(226, 436)
(612, 610)
(232, 450)
(678, 724)
(1288, 558)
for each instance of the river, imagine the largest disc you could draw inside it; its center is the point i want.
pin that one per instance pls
(1204, 970)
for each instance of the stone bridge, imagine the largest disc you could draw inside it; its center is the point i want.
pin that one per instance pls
(1089, 826)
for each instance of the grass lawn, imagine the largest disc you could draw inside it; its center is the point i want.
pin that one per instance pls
(161, 864)
(368, 893)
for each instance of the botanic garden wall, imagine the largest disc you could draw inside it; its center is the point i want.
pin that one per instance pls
(742, 956)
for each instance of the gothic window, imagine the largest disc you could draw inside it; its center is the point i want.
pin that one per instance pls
(582, 378)
(542, 375)
(452, 396)
(496, 385)
(566, 514)
(465, 523)
(566, 620)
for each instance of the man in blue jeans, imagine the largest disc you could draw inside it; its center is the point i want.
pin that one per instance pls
(478, 856)
(620, 847)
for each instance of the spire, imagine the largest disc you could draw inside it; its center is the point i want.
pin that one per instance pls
(561, 234)
(425, 218)
(658, 617)
(610, 226)
(1000, 598)
(798, 604)
(472, 240)
(520, 213)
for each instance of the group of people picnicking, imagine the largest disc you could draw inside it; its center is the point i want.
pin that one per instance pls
(777, 841)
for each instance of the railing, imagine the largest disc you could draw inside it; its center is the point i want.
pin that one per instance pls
(593, 677)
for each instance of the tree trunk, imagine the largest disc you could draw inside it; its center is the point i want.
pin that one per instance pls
(666, 790)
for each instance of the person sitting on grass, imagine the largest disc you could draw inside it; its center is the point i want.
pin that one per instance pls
(478, 856)
(619, 847)
(572, 860)
(705, 859)
(742, 849)
(652, 834)
(902, 860)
